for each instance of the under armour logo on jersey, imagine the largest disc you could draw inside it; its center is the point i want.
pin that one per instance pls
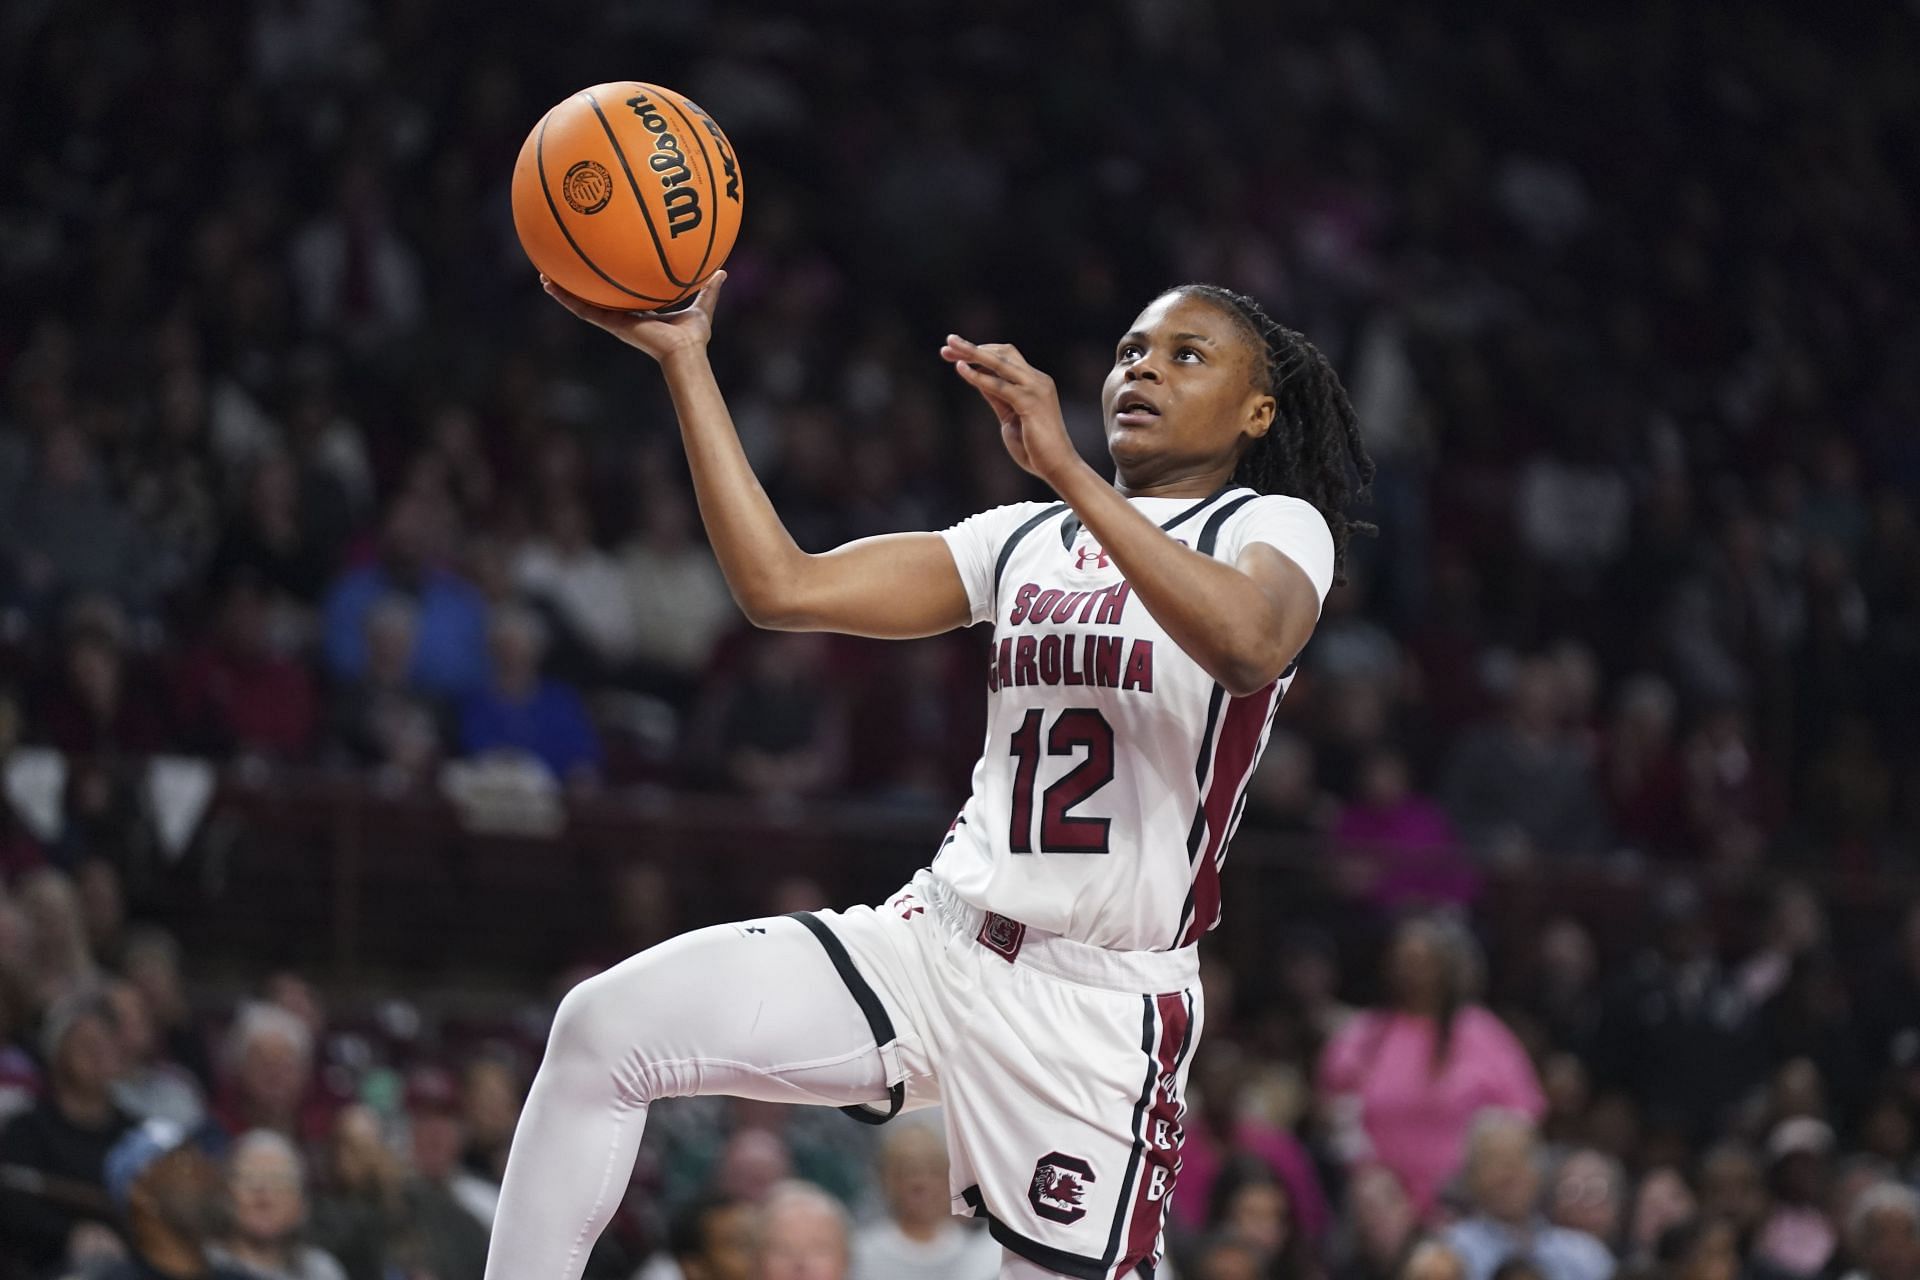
(754, 928)
(1081, 555)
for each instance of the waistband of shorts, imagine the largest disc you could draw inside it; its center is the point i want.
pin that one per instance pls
(1134, 972)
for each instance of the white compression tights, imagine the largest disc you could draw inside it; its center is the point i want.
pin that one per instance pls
(718, 1011)
(752, 1015)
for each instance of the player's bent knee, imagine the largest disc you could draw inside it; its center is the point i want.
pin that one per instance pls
(579, 1024)
(594, 1033)
(615, 1026)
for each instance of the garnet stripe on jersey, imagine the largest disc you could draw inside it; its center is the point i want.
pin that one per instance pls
(1144, 1218)
(1240, 732)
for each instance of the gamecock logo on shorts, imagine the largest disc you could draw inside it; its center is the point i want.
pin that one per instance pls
(588, 187)
(1059, 1186)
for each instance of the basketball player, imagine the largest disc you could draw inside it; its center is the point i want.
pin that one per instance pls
(1040, 977)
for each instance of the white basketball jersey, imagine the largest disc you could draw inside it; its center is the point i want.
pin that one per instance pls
(1115, 768)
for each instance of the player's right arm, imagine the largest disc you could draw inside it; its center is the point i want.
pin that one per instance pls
(896, 586)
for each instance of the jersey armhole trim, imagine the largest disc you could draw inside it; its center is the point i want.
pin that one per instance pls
(869, 1001)
(1013, 540)
(1070, 527)
(1211, 533)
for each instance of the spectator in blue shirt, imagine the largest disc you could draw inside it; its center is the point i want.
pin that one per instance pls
(1503, 1183)
(450, 653)
(520, 711)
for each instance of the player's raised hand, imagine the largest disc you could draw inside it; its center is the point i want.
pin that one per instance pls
(1022, 398)
(658, 334)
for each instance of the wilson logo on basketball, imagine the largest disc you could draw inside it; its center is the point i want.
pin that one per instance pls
(587, 187)
(719, 144)
(670, 163)
(1059, 1187)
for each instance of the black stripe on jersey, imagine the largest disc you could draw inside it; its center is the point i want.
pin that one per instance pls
(1013, 540)
(1211, 533)
(1070, 527)
(1200, 764)
(1186, 909)
(1196, 834)
(1076, 1265)
(869, 1001)
(1150, 1045)
(1233, 822)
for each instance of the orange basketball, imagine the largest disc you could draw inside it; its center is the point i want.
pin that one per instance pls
(627, 195)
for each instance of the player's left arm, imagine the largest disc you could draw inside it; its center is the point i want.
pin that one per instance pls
(1242, 622)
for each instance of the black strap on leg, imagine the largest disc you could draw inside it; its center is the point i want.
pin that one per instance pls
(869, 1001)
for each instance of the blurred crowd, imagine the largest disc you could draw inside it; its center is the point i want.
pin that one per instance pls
(297, 467)
(299, 471)
(1393, 1113)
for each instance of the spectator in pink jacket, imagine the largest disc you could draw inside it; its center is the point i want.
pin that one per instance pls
(1404, 1082)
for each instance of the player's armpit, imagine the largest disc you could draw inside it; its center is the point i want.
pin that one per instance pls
(896, 586)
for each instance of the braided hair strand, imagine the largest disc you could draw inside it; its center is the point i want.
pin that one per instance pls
(1313, 450)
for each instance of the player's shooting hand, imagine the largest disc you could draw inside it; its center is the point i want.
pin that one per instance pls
(660, 335)
(1023, 398)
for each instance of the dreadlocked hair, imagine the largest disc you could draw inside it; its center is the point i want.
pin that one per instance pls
(1313, 450)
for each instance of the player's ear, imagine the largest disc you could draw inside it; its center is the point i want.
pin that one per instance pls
(1260, 416)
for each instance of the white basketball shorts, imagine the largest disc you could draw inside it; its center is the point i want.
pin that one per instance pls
(1062, 1068)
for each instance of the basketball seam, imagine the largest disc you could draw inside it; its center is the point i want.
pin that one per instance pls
(634, 184)
(713, 191)
(540, 169)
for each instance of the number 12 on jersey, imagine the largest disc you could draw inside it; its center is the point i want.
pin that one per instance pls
(1060, 831)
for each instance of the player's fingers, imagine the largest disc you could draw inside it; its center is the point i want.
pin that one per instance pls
(988, 357)
(989, 381)
(986, 352)
(973, 374)
(709, 295)
(992, 389)
(585, 310)
(1016, 368)
(1005, 359)
(1003, 408)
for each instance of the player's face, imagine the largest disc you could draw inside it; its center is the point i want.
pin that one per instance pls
(1186, 394)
